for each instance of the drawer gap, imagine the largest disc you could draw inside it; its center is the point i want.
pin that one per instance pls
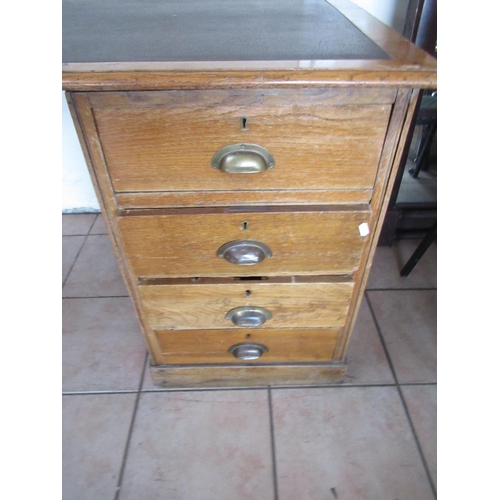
(140, 212)
(226, 281)
(148, 200)
(251, 278)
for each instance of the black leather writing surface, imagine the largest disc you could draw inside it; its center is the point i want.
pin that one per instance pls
(209, 30)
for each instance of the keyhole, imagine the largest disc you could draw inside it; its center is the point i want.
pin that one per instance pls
(248, 293)
(244, 225)
(243, 122)
(248, 335)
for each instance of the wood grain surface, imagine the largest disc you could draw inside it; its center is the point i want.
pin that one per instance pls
(247, 376)
(303, 242)
(117, 77)
(211, 346)
(315, 143)
(243, 198)
(340, 96)
(299, 305)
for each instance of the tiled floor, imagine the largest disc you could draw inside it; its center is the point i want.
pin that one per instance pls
(372, 437)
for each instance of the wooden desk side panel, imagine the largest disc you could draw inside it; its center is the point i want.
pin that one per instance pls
(89, 141)
(397, 135)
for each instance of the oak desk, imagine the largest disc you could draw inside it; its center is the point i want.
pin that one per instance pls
(242, 153)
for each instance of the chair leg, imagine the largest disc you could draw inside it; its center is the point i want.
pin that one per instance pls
(419, 252)
(429, 132)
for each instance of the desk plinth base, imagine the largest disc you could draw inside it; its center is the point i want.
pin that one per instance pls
(191, 376)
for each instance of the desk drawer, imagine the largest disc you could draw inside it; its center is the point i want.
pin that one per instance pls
(226, 303)
(274, 346)
(309, 240)
(326, 139)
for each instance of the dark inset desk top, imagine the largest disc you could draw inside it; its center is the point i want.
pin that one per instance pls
(100, 31)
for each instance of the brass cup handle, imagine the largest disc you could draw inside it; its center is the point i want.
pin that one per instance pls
(244, 252)
(247, 351)
(248, 316)
(242, 158)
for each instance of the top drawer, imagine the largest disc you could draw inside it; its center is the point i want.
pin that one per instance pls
(319, 139)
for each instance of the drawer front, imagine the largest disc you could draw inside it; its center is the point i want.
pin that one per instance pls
(247, 303)
(315, 142)
(212, 346)
(304, 242)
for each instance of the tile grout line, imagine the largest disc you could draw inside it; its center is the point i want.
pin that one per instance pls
(401, 396)
(96, 393)
(204, 389)
(412, 384)
(93, 223)
(129, 436)
(409, 289)
(379, 331)
(273, 447)
(78, 254)
(250, 388)
(74, 261)
(99, 297)
(280, 387)
(414, 432)
(89, 229)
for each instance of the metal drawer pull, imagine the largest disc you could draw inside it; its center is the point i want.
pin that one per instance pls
(247, 351)
(242, 158)
(244, 252)
(248, 316)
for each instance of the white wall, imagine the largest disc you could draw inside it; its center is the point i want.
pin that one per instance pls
(77, 190)
(390, 12)
(78, 193)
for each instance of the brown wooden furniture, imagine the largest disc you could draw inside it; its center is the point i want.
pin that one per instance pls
(243, 154)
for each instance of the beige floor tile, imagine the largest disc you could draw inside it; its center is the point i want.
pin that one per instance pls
(421, 401)
(366, 359)
(94, 435)
(389, 261)
(408, 322)
(102, 347)
(200, 445)
(95, 273)
(77, 224)
(70, 247)
(147, 383)
(99, 227)
(354, 439)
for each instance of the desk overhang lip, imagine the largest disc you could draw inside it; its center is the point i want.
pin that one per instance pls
(224, 74)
